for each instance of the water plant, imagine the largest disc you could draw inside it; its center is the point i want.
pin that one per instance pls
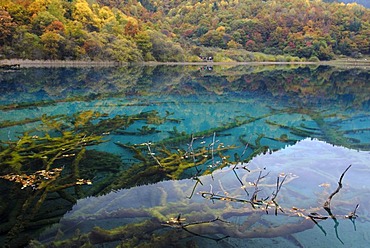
(50, 158)
(164, 164)
(54, 163)
(32, 162)
(328, 127)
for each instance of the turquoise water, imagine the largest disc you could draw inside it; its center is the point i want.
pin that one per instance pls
(185, 157)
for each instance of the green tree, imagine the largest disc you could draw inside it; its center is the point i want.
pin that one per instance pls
(163, 49)
(122, 49)
(322, 51)
(143, 42)
(41, 20)
(57, 9)
(52, 43)
(28, 45)
(214, 38)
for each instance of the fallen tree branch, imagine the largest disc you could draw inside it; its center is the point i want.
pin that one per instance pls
(327, 202)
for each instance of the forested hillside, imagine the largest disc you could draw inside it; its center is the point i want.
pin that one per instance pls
(174, 30)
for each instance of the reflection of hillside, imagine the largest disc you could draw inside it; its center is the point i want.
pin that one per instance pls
(322, 85)
(302, 84)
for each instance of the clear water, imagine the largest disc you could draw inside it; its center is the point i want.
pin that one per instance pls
(183, 172)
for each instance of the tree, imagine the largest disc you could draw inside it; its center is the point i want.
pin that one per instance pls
(93, 48)
(322, 50)
(106, 14)
(7, 26)
(274, 27)
(363, 43)
(250, 45)
(55, 26)
(354, 25)
(57, 9)
(28, 45)
(20, 15)
(143, 42)
(75, 31)
(201, 30)
(122, 49)
(41, 20)
(52, 44)
(345, 46)
(164, 49)
(213, 38)
(84, 14)
(132, 27)
(38, 6)
(233, 44)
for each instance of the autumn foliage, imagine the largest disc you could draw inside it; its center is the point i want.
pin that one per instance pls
(169, 30)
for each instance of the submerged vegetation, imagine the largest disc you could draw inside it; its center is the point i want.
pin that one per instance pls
(33, 163)
(154, 167)
(57, 159)
(200, 222)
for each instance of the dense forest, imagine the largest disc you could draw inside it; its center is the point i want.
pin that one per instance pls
(174, 30)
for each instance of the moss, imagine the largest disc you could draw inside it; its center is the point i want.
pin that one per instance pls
(99, 235)
(178, 140)
(296, 131)
(166, 165)
(67, 147)
(78, 240)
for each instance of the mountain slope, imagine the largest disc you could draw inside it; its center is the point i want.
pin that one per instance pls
(174, 30)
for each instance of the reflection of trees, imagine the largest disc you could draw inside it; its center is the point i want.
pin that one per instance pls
(301, 85)
(331, 131)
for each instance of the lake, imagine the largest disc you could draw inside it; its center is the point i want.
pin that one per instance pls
(185, 156)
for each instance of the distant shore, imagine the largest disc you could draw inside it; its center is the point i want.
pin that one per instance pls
(25, 63)
(82, 63)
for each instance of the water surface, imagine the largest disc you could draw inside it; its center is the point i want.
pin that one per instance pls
(182, 155)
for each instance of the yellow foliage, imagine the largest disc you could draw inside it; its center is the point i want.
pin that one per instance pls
(38, 6)
(221, 29)
(233, 44)
(83, 13)
(224, 3)
(106, 14)
(132, 20)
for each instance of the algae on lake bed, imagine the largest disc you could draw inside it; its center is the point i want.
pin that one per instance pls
(153, 145)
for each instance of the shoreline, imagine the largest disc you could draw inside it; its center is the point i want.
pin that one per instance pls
(26, 63)
(20, 63)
